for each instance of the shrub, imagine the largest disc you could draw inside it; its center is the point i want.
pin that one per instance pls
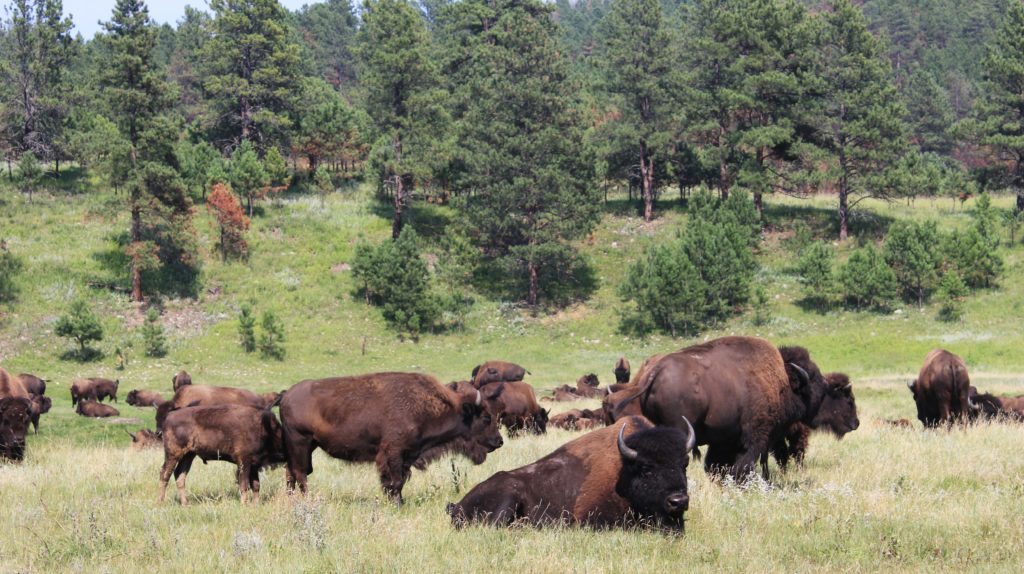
(866, 281)
(974, 258)
(762, 307)
(668, 292)
(247, 329)
(911, 250)
(271, 343)
(29, 172)
(951, 292)
(82, 325)
(10, 267)
(816, 268)
(153, 341)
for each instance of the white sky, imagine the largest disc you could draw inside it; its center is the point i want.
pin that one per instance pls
(88, 13)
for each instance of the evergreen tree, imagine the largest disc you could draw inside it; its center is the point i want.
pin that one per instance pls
(929, 113)
(816, 268)
(519, 137)
(667, 290)
(327, 127)
(29, 172)
(161, 233)
(913, 252)
(271, 341)
(247, 329)
(82, 325)
(248, 178)
(866, 281)
(251, 68)
(638, 76)
(329, 32)
(402, 99)
(951, 293)
(153, 340)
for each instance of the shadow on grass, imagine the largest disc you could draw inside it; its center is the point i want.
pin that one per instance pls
(87, 355)
(429, 220)
(624, 207)
(824, 223)
(568, 278)
(170, 279)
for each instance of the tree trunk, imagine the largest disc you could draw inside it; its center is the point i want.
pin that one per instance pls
(396, 223)
(56, 166)
(844, 209)
(647, 181)
(1020, 199)
(534, 289)
(136, 239)
(758, 199)
(248, 201)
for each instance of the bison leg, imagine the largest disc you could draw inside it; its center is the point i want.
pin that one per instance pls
(254, 483)
(243, 471)
(719, 460)
(165, 473)
(393, 473)
(181, 474)
(298, 450)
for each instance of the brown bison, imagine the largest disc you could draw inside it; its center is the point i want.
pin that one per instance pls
(497, 372)
(941, 389)
(898, 423)
(33, 384)
(517, 408)
(989, 406)
(205, 395)
(249, 437)
(621, 371)
(145, 438)
(397, 420)
(577, 419)
(180, 380)
(740, 394)
(618, 393)
(588, 386)
(40, 406)
(90, 408)
(15, 414)
(564, 394)
(139, 398)
(16, 387)
(629, 474)
(93, 388)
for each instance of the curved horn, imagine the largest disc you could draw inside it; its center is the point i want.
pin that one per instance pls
(691, 437)
(479, 398)
(801, 371)
(129, 434)
(974, 406)
(910, 385)
(624, 450)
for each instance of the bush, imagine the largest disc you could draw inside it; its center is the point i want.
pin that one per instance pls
(911, 251)
(866, 281)
(668, 292)
(974, 258)
(153, 341)
(271, 337)
(247, 329)
(816, 268)
(82, 325)
(762, 307)
(394, 277)
(951, 292)
(10, 267)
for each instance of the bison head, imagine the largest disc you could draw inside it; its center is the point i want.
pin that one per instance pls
(133, 398)
(539, 421)
(273, 439)
(144, 438)
(621, 370)
(838, 410)
(180, 380)
(983, 405)
(653, 476)
(589, 380)
(15, 415)
(480, 416)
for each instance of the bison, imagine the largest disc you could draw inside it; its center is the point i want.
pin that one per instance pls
(15, 415)
(989, 406)
(605, 478)
(40, 406)
(564, 394)
(250, 437)
(180, 380)
(16, 387)
(207, 395)
(577, 419)
(33, 384)
(93, 388)
(145, 438)
(497, 372)
(140, 398)
(621, 371)
(941, 389)
(517, 408)
(397, 420)
(90, 408)
(587, 386)
(740, 394)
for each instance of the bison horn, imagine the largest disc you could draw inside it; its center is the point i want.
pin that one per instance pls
(479, 398)
(691, 436)
(910, 385)
(974, 406)
(803, 374)
(624, 450)
(129, 434)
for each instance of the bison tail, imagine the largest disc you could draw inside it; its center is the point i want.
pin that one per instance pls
(644, 386)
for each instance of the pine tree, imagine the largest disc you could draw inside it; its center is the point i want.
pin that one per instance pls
(231, 222)
(248, 177)
(929, 113)
(82, 325)
(951, 292)
(29, 172)
(912, 250)
(247, 329)
(271, 341)
(816, 268)
(329, 31)
(667, 290)
(866, 281)
(153, 340)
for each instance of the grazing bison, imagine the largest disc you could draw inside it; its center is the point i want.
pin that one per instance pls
(941, 389)
(621, 371)
(33, 384)
(517, 408)
(629, 474)
(145, 438)
(105, 388)
(139, 398)
(397, 420)
(738, 391)
(587, 386)
(577, 419)
(249, 437)
(90, 408)
(93, 388)
(497, 372)
(15, 414)
(180, 380)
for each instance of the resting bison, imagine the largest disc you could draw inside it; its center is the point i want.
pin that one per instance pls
(145, 438)
(605, 478)
(989, 406)
(33, 384)
(577, 419)
(517, 408)
(249, 437)
(564, 394)
(204, 395)
(95, 409)
(587, 386)
(941, 389)
(138, 398)
(621, 371)
(394, 419)
(898, 423)
(15, 414)
(497, 372)
(180, 380)
(739, 393)
(837, 415)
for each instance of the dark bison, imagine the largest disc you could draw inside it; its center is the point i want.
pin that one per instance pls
(837, 415)
(989, 406)
(90, 408)
(249, 437)
(40, 406)
(618, 393)
(15, 414)
(577, 419)
(629, 474)
(740, 394)
(397, 420)
(497, 372)
(517, 408)
(180, 380)
(941, 389)
(16, 387)
(93, 388)
(588, 386)
(139, 398)
(145, 438)
(33, 384)
(621, 371)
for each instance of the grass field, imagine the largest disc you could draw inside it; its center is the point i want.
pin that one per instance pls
(881, 499)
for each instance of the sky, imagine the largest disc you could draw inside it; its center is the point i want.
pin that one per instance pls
(87, 13)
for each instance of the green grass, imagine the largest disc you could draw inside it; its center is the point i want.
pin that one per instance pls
(880, 499)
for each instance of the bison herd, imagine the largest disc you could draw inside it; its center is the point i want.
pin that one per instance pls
(741, 398)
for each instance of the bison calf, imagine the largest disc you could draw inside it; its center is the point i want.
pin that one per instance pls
(145, 438)
(96, 410)
(249, 437)
(604, 478)
(15, 414)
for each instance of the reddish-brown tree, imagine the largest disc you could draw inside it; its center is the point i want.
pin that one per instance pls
(231, 220)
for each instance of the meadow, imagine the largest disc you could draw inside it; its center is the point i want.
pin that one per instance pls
(880, 499)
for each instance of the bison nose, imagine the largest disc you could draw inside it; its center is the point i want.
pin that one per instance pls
(856, 423)
(678, 502)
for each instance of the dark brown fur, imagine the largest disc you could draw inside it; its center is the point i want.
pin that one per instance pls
(589, 386)
(145, 438)
(190, 395)
(517, 408)
(941, 389)
(497, 372)
(33, 384)
(180, 380)
(15, 415)
(577, 419)
(95, 409)
(621, 371)
(140, 398)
